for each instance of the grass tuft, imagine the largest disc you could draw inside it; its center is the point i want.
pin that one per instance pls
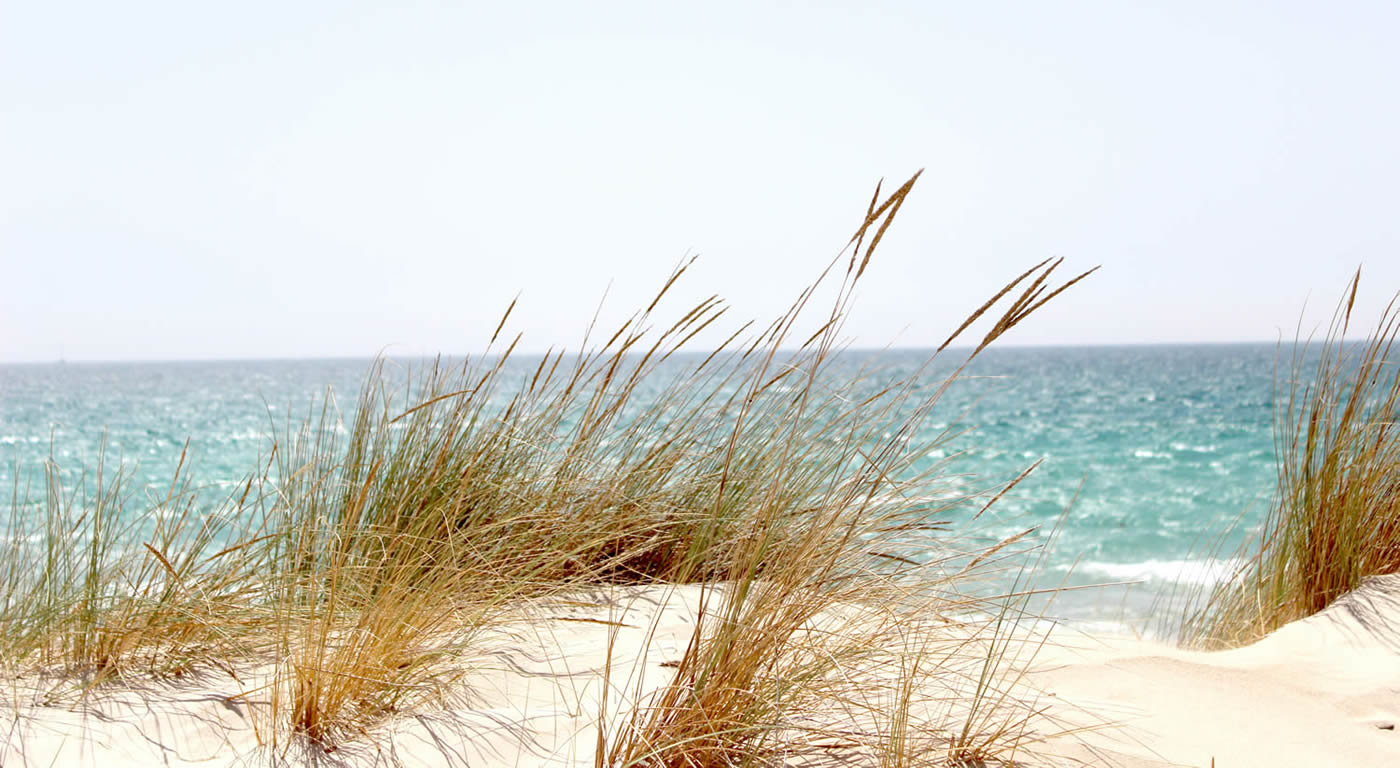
(1335, 518)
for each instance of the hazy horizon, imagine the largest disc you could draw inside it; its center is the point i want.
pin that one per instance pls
(696, 352)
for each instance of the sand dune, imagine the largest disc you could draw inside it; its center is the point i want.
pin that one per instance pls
(1320, 692)
(1324, 691)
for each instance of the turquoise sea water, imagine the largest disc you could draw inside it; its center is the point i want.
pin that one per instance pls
(1154, 449)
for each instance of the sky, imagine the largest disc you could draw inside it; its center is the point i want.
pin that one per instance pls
(249, 180)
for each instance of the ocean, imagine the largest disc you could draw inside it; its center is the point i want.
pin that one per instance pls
(1152, 455)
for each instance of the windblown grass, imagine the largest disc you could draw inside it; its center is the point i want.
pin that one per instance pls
(1335, 518)
(760, 662)
(90, 591)
(364, 558)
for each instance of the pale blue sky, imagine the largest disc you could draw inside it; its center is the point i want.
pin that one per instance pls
(186, 180)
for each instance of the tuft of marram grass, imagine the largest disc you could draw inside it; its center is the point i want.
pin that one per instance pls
(366, 557)
(91, 592)
(1335, 517)
(765, 659)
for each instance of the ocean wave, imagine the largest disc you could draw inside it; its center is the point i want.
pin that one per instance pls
(1187, 572)
(1145, 453)
(1183, 447)
(242, 434)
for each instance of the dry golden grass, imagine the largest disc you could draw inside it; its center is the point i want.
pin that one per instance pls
(1335, 518)
(366, 558)
(759, 665)
(91, 591)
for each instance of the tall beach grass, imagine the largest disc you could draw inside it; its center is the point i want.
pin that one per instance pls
(367, 554)
(1335, 518)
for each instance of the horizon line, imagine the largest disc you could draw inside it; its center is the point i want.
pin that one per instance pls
(535, 354)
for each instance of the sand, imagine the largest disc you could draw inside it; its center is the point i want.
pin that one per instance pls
(1324, 691)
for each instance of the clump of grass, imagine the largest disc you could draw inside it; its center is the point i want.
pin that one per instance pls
(1335, 518)
(91, 591)
(767, 659)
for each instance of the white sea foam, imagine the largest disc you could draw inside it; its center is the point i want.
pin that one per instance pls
(1144, 453)
(243, 434)
(1187, 572)
(1193, 448)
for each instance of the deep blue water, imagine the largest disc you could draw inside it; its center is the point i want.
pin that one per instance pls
(1154, 449)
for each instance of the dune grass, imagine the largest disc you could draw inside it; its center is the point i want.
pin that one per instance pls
(364, 557)
(759, 661)
(1335, 518)
(91, 590)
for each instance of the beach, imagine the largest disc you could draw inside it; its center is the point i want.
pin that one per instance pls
(444, 384)
(546, 677)
(1324, 690)
(549, 385)
(1321, 691)
(757, 555)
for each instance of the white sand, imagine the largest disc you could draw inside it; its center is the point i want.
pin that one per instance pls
(1314, 693)
(1318, 692)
